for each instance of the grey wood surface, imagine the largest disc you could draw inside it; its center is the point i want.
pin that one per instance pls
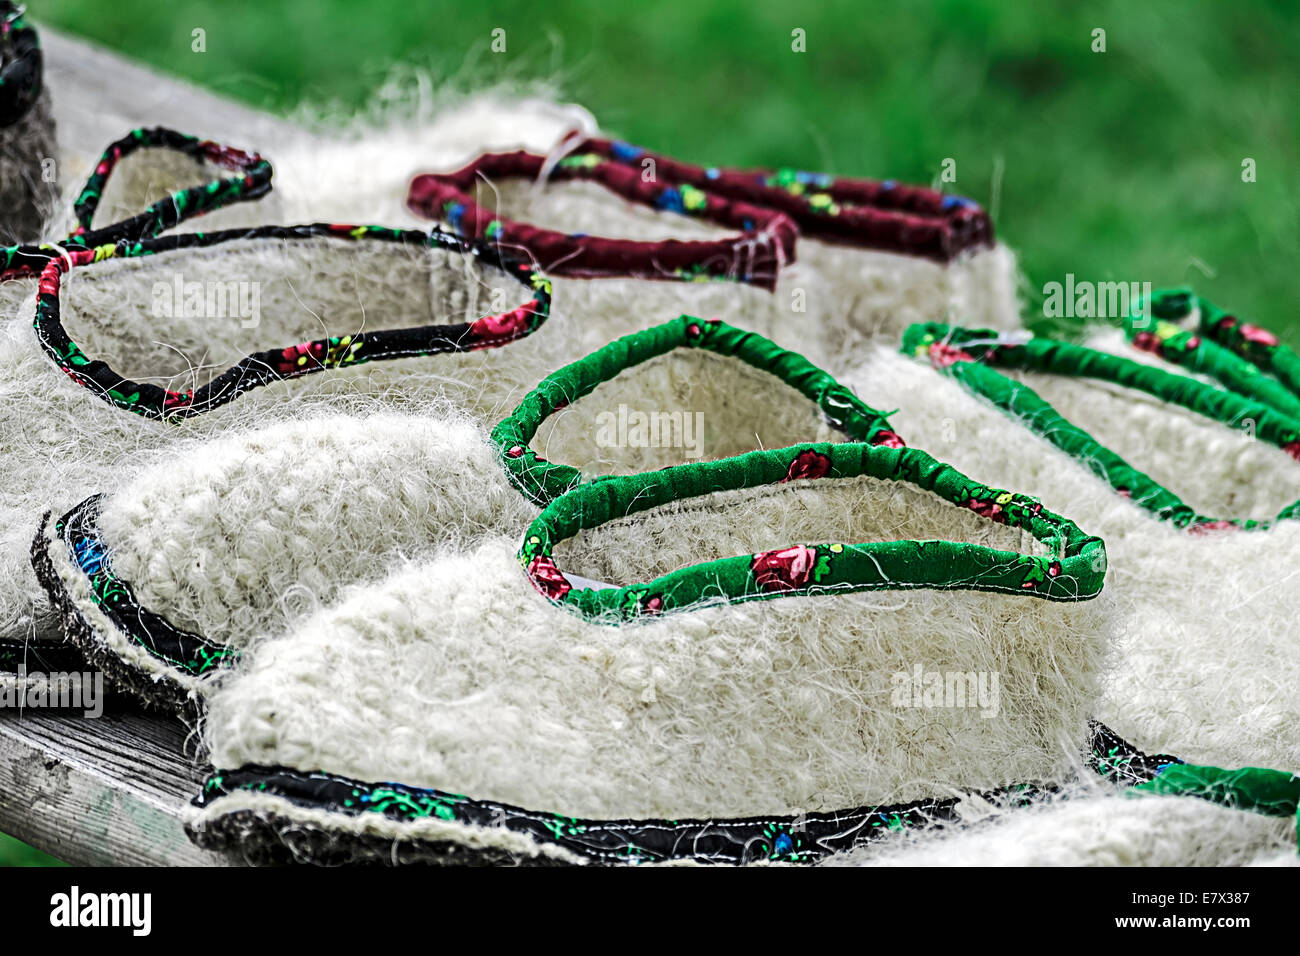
(114, 790)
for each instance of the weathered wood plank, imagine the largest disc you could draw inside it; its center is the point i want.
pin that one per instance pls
(109, 791)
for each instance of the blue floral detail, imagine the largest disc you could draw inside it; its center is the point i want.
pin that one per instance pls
(455, 213)
(713, 172)
(670, 200)
(951, 202)
(90, 555)
(783, 845)
(820, 180)
(889, 184)
(626, 152)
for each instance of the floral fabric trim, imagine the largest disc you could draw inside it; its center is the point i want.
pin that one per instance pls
(541, 480)
(1240, 356)
(972, 356)
(1073, 570)
(20, 75)
(184, 650)
(865, 213)
(252, 181)
(776, 838)
(764, 243)
(274, 365)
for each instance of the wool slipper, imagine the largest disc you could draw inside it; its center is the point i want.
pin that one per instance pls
(27, 136)
(858, 293)
(261, 513)
(533, 693)
(1170, 686)
(762, 243)
(162, 327)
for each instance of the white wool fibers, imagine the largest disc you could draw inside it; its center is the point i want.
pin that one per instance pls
(456, 674)
(1203, 659)
(229, 537)
(63, 442)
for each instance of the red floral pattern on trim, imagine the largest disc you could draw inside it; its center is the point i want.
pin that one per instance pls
(1209, 527)
(987, 509)
(942, 356)
(807, 464)
(548, 579)
(786, 569)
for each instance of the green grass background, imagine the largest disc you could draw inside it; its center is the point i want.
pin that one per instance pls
(1123, 165)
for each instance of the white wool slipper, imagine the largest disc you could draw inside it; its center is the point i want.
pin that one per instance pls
(873, 257)
(216, 542)
(1200, 577)
(130, 327)
(653, 715)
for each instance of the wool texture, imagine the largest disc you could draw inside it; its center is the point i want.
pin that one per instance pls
(457, 674)
(27, 193)
(1181, 598)
(312, 288)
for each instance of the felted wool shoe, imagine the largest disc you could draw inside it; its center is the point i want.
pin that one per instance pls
(205, 544)
(27, 141)
(200, 326)
(677, 665)
(622, 248)
(1187, 484)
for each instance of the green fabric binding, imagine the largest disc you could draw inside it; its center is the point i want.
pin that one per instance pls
(541, 480)
(969, 355)
(1272, 792)
(1218, 349)
(1073, 570)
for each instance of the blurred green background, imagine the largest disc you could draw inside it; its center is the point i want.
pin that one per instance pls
(1117, 165)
